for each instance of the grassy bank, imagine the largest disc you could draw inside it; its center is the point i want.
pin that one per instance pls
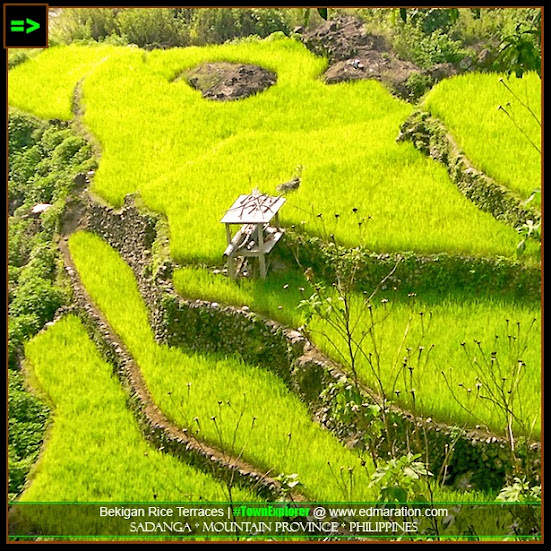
(182, 152)
(438, 323)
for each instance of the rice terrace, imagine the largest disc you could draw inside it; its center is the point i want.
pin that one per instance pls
(264, 262)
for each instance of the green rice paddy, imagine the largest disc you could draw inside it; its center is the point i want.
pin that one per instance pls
(436, 322)
(240, 408)
(498, 142)
(95, 450)
(190, 157)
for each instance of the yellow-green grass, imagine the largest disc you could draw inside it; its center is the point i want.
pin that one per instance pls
(468, 106)
(236, 406)
(454, 319)
(95, 451)
(241, 408)
(190, 157)
(56, 69)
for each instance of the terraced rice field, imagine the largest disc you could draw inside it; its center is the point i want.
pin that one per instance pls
(201, 154)
(230, 404)
(435, 322)
(188, 158)
(95, 450)
(469, 107)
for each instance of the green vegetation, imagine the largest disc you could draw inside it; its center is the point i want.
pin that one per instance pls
(231, 404)
(468, 106)
(439, 323)
(510, 37)
(27, 417)
(188, 158)
(427, 36)
(95, 451)
(162, 28)
(205, 153)
(44, 160)
(16, 56)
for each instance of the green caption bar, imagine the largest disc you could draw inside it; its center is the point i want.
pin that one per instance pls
(369, 521)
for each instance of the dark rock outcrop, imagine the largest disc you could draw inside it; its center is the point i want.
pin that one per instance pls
(229, 81)
(355, 54)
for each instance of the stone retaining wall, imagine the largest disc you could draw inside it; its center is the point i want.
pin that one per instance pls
(441, 273)
(430, 137)
(478, 459)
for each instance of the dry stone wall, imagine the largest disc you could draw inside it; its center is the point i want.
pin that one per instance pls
(478, 459)
(430, 137)
(430, 273)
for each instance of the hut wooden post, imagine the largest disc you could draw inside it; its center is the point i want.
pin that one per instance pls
(261, 256)
(228, 234)
(231, 267)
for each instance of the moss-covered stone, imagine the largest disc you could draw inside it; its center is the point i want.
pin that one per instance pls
(430, 137)
(472, 459)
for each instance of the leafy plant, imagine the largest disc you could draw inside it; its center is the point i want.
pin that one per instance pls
(288, 484)
(528, 230)
(401, 479)
(520, 51)
(525, 519)
(418, 84)
(348, 409)
(430, 19)
(520, 490)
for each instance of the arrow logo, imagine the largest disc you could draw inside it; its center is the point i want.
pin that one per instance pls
(33, 26)
(18, 26)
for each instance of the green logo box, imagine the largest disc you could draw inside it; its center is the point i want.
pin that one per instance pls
(25, 25)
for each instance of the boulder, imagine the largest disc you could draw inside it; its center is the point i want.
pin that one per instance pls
(39, 208)
(229, 81)
(342, 38)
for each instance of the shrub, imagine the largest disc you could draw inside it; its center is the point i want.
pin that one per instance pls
(418, 84)
(84, 23)
(168, 27)
(67, 150)
(36, 296)
(23, 130)
(52, 137)
(16, 58)
(27, 417)
(20, 232)
(51, 219)
(20, 329)
(41, 263)
(433, 19)
(146, 27)
(428, 49)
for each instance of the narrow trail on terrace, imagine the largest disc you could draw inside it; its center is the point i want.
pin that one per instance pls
(154, 417)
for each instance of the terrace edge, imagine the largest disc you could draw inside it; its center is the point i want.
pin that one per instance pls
(200, 325)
